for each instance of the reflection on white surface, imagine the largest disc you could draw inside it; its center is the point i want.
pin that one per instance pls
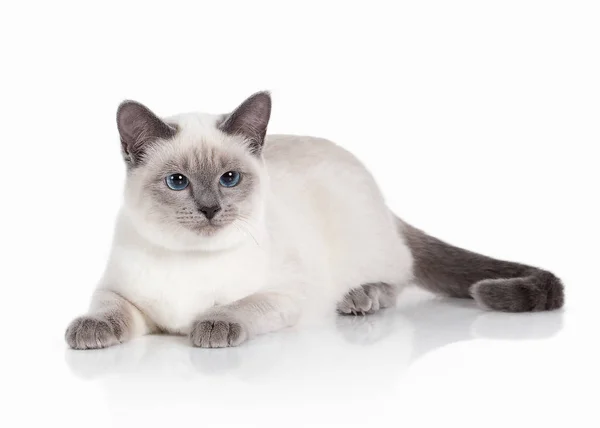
(351, 371)
(380, 343)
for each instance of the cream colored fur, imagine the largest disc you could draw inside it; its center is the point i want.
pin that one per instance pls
(319, 228)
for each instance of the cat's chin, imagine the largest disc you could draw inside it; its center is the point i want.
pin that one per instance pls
(207, 230)
(209, 239)
(178, 238)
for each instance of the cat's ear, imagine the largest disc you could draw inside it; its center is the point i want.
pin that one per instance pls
(139, 128)
(250, 120)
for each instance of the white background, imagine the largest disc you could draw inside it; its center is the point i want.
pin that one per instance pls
(479, 119)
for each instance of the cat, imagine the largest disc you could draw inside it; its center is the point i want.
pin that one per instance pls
(226, 233)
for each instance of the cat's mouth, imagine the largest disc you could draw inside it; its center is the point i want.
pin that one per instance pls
(204, 227)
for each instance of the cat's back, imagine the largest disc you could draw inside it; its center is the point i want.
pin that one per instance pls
(336, 209)
(315, 167)
(298, 152)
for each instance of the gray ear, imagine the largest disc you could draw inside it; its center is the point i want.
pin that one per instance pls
(250, 120)
(138, 128)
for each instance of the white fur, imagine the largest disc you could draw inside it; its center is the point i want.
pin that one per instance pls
(320, 228)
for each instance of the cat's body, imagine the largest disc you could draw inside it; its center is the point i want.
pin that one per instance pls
(304, 230)
(301, 246)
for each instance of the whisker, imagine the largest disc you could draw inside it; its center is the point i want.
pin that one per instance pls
(246, 230)
(246, 220)
(248, 225)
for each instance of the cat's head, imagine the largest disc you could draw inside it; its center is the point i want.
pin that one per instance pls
(195, 181)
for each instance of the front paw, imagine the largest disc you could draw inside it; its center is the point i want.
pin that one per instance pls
(218, 332)
(89, 332)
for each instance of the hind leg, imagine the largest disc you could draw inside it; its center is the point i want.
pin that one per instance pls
(368, 299)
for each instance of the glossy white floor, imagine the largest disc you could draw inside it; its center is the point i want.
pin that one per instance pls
(429, 361)
(478, 119)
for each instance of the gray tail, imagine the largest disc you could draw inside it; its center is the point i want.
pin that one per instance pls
(494, 284)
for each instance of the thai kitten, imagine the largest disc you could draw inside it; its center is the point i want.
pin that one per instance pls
(226, 233)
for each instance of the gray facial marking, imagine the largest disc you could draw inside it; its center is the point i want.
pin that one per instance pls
(205, 205)
(138, 129)
(250, 120)
(100, 330)
(368, 299)
(494, 284)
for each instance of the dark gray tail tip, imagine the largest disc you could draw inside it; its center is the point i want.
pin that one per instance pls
(541, 291)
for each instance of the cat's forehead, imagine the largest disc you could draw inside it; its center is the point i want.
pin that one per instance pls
(199, 145)
(203, 157)
(195, 123)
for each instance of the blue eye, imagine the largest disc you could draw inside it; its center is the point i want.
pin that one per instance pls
(230, 179)
(177, 181)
